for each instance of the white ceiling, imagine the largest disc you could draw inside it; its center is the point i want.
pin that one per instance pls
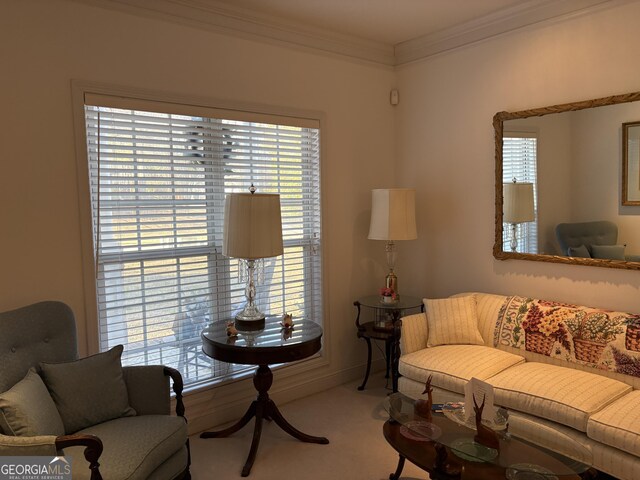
(388, 32)
(385, 21)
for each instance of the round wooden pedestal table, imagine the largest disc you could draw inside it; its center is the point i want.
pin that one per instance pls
(267, 346)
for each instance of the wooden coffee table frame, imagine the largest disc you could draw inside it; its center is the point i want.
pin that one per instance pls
(437, 460)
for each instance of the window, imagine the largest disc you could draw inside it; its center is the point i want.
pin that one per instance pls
(519, 161)
(158, 176)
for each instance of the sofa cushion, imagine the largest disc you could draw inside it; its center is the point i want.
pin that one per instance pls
(27, 410)
(88, 391)
(618, 424)
(453, 321)
(134, 447)
(453, 366)
(561, 394)
(551, 436)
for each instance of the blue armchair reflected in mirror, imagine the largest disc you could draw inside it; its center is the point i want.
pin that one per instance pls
(592, 240)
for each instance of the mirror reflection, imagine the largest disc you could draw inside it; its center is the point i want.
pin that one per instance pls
(559, 183)
(631, 163)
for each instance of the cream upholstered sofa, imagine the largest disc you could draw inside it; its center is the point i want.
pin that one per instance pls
(560, 369)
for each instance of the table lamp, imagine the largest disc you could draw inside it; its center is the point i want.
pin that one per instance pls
(393, 217)
(252, 231)
(518, 207)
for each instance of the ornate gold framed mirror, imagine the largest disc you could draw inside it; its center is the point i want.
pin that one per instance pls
(579, 165)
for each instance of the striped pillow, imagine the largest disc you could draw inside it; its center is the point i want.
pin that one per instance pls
(453, 321)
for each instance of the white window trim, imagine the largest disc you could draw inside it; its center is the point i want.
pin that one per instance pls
(88, 337)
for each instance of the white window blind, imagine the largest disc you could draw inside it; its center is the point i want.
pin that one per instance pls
(519, 161)
(158, 181)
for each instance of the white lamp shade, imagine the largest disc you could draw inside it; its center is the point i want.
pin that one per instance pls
(393, 214)
(252, 226)
(518, 202)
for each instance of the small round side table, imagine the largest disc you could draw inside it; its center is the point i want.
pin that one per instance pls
(386, 331)
(270, 345)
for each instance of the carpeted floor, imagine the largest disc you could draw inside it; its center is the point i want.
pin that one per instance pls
(351, 420)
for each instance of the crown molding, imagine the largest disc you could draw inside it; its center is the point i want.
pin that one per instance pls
(224, 18)
(488, 26)
(234, 20)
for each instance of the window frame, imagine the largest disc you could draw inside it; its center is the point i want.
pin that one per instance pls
(88, 331)
(528, 235)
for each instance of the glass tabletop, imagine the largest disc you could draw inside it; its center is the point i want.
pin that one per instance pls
(375, 301)
(518, 454)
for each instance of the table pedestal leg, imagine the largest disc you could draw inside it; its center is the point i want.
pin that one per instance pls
(262, 408)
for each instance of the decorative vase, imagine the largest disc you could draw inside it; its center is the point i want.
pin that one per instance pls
(538, 343)
(632, 338)
(587, 350)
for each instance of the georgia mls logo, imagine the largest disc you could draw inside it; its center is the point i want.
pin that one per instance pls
(35, 468)
(59, 465)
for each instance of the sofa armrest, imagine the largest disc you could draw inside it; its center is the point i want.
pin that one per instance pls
(414, 333)
(50, 446)
(149, 389)
(42, 445)
(178, 386)
(92, 450)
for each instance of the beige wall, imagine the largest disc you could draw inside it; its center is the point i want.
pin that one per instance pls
(44, 44)
(446, 150)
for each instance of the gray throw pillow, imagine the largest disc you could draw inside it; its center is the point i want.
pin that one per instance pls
(609, 252)
(580, 251)
(27, 410)
(88, 391)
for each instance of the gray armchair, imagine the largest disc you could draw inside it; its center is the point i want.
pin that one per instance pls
(579, 239)
(145, 442)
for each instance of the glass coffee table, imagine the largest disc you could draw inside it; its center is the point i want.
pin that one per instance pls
(445, 447)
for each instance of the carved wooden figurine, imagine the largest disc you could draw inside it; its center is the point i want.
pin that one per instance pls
(287, 321)
(485, 436)
(232, 331)
(422, 407)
